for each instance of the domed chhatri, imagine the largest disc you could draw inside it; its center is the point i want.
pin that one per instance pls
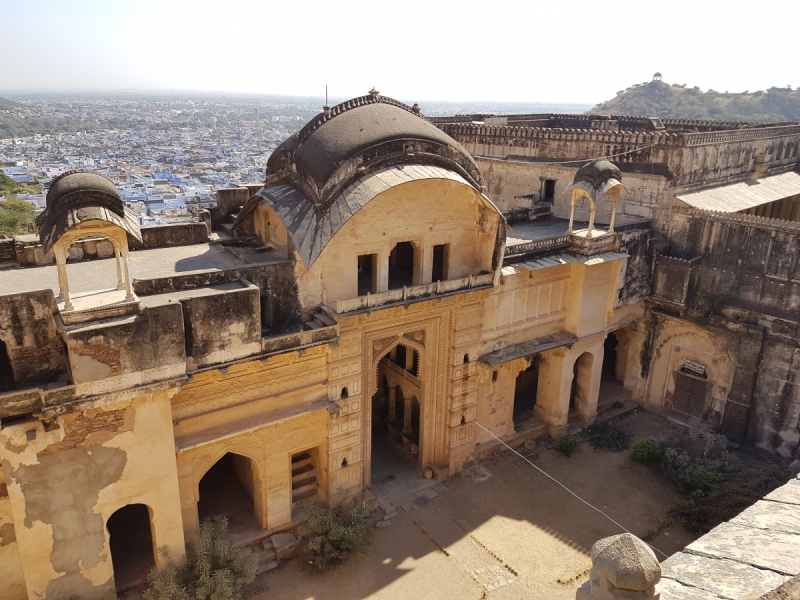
(626, 562)
(598, 173)
(84, 204)
(593, 181)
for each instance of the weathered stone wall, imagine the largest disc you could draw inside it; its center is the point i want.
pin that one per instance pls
(221, 327)
(179, 234)
(35, 348)
(65, 480)
(127, 352)
(633, 283)
(746, 262)
(7, 250)
(275, 281)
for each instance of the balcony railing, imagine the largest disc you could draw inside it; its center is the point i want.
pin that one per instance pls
(416, 292)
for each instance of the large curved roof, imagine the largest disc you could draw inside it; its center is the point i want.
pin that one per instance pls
(363, 134)
(311, 230)
(79, 196)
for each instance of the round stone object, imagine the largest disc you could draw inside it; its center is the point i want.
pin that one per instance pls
(626, 562)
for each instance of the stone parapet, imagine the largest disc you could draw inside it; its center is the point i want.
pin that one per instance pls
(750, 556)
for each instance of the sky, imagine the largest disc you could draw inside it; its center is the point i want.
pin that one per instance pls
(525, 51)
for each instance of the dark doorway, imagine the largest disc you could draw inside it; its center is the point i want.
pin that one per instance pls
(440, 259)
(226, 490)
(266, 315)
(610, 358)
(401, 266)
(6, 372)
(525, 392)
(401, 356)
(549, 191)
(131, 543)
(366, 274)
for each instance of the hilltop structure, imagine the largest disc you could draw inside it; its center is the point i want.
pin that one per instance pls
(372, 294)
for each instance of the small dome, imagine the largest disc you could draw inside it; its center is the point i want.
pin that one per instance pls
(598, 172)
(627, 562)
(76, 197)
(82, 182)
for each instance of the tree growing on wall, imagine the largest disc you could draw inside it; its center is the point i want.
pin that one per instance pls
(214, 570)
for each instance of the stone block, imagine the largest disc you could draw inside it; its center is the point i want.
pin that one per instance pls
(764, 549)
(770, 515)
(390, 516)
(673, 590)
(285, 544)
(788, 493)
(383, 524)
(725, 578)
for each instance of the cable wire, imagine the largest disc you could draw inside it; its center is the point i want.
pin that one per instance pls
(565, 487)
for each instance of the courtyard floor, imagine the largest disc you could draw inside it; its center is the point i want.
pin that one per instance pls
(498, 530)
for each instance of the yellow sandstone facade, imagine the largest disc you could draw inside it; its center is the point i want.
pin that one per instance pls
(379, 301)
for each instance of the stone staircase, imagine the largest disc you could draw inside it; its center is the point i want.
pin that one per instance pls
(304, 478)
(277, 547)
(318, 320)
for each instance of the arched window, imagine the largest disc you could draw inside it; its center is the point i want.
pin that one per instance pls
(466, 358)
(344, 394)
(344, 462)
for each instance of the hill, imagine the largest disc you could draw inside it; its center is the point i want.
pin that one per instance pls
(659, 99)
(7, 104)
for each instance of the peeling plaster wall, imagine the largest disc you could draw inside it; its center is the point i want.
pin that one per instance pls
(126, 352)
(65, 484)
(28, 327)
(12, 580)
(222, 327)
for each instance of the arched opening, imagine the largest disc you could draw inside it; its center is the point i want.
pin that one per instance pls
(131, 541)
(228, 489)
(610, 347)
(396, 416)
(344, 394)
(466, 359)
(581, 384)
(401, 266)
(525, 389)
(6, 372)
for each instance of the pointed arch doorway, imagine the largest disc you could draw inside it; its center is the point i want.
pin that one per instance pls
(397, 433)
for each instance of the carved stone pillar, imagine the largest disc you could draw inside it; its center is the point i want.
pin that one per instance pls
(129, 297)
(392, 417)
(120, 281)
(407, 416)
(63, 283)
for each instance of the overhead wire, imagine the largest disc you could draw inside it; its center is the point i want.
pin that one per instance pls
(565, 487)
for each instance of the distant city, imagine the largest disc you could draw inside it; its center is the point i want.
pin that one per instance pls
(168, 154)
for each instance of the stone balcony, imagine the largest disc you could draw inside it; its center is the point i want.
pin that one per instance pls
(415, 293)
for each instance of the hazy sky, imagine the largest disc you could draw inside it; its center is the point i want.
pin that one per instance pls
(531, 51)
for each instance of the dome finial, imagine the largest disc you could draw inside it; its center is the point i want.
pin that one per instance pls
(373, 92)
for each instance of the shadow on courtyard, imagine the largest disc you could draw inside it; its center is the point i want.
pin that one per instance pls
(500, 529)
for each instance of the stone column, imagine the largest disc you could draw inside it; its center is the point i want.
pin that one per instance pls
(623, 567)
(129, 297)
(63, 283)
(409, 366)
(407, 415)
(552, 393)
(590, 228)
(572, 213)
(120, 281)
(392, 417)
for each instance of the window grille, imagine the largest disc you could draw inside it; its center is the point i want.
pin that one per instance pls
(690, 394)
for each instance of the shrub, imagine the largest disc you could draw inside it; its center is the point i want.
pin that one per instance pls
(608, 435)
(216, 569)
(567, 444)
(332, 533)
(648, 451)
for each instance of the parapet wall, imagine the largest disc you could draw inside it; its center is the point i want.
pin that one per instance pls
(685, 158)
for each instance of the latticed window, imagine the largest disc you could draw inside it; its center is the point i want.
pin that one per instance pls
(691, 391)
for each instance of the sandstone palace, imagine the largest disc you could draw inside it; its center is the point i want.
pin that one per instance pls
(402, 283)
